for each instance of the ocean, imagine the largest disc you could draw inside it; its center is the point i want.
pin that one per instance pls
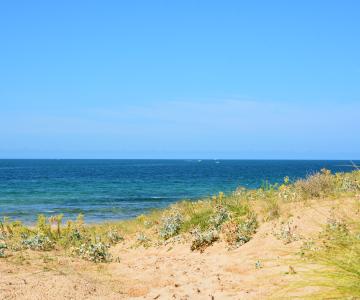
(107, 190)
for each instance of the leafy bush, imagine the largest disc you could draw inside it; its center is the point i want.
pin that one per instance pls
(38, 242)
(95, 252)
(202, 240)
(171, 225)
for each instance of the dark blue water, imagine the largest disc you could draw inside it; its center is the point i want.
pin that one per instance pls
(117, 189)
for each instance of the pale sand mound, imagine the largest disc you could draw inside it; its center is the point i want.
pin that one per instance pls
(172, 271)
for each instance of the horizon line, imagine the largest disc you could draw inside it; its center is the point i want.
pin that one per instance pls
(175, 158)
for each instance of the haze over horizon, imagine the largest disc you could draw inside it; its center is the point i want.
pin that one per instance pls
(185, 80)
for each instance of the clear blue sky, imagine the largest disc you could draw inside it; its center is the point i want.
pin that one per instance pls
(162, 79)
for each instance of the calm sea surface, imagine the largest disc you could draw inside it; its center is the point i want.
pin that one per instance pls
(117, 189)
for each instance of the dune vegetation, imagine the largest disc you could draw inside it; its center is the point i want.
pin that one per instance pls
(333, 254)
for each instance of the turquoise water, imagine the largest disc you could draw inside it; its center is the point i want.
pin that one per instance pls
(118, 189)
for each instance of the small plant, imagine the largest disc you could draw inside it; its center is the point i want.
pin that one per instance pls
(286, 233)
(307, 247)
(142, 239)
(42, 226)
(339, 226)
(95, 252)
(75, 235)
(57, 220)
(288, 193)
(201, 240)
(114, 236)
(248, 228)
(291, 271)
(171, 225)
(38, 242)
(237, 234)
(258, 265)
(3, 246)
(220, 216)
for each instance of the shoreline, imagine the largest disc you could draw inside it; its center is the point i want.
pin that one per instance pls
(157, 210)
(131, 187)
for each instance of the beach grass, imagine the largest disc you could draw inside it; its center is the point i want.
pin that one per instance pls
(334, 260)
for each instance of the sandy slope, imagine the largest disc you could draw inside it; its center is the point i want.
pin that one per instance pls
(171, 271)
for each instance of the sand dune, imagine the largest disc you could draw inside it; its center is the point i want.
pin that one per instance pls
(263, 268)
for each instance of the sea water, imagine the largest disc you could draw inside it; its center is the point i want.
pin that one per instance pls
(105, 190)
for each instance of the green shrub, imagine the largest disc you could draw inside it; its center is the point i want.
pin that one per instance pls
(219, 217)
(171, 225)
(95, 252)
(75, 235)
(38, 242)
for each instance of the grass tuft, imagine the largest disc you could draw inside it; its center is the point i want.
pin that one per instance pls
(336, 262)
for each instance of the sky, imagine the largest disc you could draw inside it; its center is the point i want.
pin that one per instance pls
(180, 79)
